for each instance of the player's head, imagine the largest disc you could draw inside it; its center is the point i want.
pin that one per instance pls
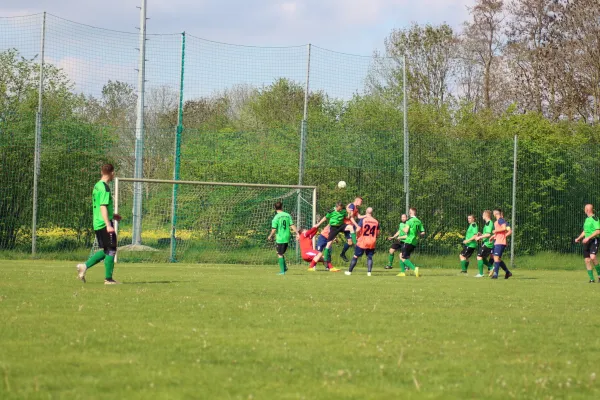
(279, 206)
(403, 217)
(369, 211)
(497, 213)
(471, 218)
(358, 201)
(108, 172)
(412, 212)
(589, 210)
(339, 206)
(487, 215)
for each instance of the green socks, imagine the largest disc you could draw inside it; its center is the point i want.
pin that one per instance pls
(95, 259)
(480, 266)
(390, 260)
(353, 235)
(464, 265)
(326, 254)
(598, 270)
(402, 266)
(282, 265)
(409, 264)
(591, 274)
(489, 263)
(109, 266)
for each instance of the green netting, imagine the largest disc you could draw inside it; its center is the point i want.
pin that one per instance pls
(242, 116)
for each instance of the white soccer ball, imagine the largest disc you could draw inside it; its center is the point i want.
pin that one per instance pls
(341, 184)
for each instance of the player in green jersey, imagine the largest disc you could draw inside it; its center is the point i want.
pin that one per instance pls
(103, 226)
(281, 227)
(469, 244)
(337, 225)
(413, 230)
(589, 237)
(397, 245)
(485, 250)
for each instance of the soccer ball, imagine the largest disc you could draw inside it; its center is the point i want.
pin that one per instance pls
(341, 184)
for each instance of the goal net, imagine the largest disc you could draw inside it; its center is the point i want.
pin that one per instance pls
(207, 222)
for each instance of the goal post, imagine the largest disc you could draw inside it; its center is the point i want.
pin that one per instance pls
(208, 222)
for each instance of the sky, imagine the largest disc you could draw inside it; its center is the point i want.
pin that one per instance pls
(91, 56)
(350, 26)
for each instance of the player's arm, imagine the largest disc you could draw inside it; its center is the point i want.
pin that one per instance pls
(501, 228)
(324, 219)
(422, 231)
(395, 236)
(104, 212)
(578, 239)
(273, 230)
(294, 229)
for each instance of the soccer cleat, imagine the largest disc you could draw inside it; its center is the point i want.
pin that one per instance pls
(343, 257)
(281, 273)
(401, 274)
(368, 274)
(313, 269)
(333, 269)
(463, 272)
(490, 273)
(479, 276)
(348, 273)
(388, 267)
(417, 272)
(507, 275)
(81, 270)
(286, 269)
(494, 276)
(592, 281)
(111, 282)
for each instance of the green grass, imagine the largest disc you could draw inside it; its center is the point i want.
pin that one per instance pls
(241, 332)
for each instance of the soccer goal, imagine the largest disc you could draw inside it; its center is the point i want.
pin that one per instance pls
(207, 222)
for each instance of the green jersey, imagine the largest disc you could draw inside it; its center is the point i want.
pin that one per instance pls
(415, 227)
(336, 218)
(282, 222)
(472, 230)
(101, 197)
(591, 225)
(401, 227)
(488, 228)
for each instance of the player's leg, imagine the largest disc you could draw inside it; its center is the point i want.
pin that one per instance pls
(392, 254)
(405, 259)
(281, 249)
(482, 259)
(109, 259)
(587, 257)
(370, 253)
(593, 256)
(463, 260)
(94, 258)
(350, 240)
(358, 252)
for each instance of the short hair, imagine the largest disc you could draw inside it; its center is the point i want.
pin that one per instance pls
(471, 215)
(339, 204)
(279, 205)
(498, 209)
(413, 209)
(488, 213)
(108, 169)
(358, 198)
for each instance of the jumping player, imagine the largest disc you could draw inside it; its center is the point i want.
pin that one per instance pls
(103, 226)
(485, 250)
(369, 229)
(321, 249)
(499, 237)
(413, 230)
(591, 231)
(469, 244)
(280, 227)
(351, 225)
(397, 245)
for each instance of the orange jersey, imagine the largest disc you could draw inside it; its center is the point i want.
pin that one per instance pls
(352, 211)
(325, 231)
(306, 244)
(369, 231)
(500, 236)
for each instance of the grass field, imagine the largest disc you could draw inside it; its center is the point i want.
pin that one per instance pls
(241, 332)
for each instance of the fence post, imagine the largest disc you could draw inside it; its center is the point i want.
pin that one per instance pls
(139, 132)
(514, 204)
(406, 149)
(38, 141)
(177, 156)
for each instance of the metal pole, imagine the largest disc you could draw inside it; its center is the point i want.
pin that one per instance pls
(38, 141)
(116, 211)
(406, 153)
(314, 211)
(303, 134)
(514, 204)
(139, 131)
(177, 157)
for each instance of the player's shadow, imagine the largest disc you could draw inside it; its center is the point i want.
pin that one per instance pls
(153, 282)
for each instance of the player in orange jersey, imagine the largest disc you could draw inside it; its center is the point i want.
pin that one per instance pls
(369, 229)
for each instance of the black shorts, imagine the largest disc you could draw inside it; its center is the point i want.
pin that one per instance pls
(467, 251)
(106, 241)
(484, 252)
(590, 248)
(407, 249)
(282, 248)
(336, 230)
(397, 245)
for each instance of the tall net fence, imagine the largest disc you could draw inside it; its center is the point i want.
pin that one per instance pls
(244, 113)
